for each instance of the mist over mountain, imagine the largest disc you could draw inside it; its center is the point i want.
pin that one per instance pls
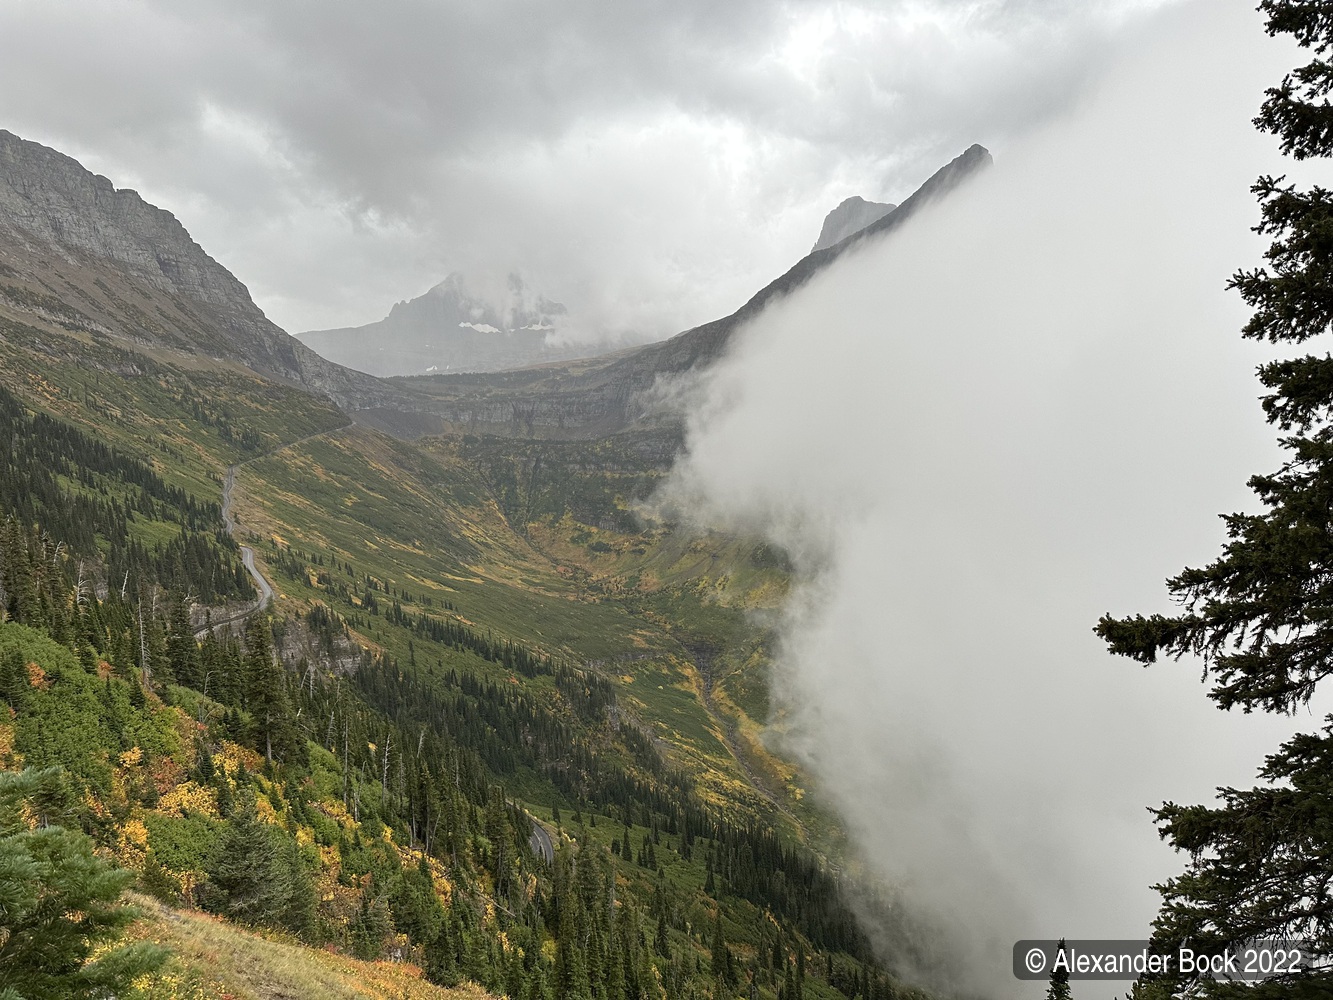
(347, 654)
(850, 217)
(456, 326)
(102, 261)
(603, 395)
(1027, 407)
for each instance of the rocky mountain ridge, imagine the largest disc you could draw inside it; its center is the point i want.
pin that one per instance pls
(453, 327)
(100, 262)
(76, 250)
(848, 219)
(605, 395)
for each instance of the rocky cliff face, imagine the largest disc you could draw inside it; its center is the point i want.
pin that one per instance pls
(451, 328)
(53, 201)
(608, 394)
(74, 247)
(850, 218)
(78, 253)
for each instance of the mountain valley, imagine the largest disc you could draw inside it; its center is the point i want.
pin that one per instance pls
(480, 628)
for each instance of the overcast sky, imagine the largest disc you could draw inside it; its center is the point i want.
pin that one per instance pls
(1021, 412)
(651, 164)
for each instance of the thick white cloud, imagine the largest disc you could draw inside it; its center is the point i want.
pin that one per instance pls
(650, 163)
(1022, 410)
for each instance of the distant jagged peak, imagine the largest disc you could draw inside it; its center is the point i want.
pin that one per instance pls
(454, 285)
(469, 322)
(484, 303)
(851, 216)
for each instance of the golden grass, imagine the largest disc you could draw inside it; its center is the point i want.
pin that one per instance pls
(215, 960)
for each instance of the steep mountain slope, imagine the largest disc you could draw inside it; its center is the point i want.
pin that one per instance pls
(215, 960)
(451, 328)
(469, 636)
(104, 266)
(103, 263)
(445, 680)
(848, 219)
(602, 396)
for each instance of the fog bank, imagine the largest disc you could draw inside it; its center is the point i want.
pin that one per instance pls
(1021, 411)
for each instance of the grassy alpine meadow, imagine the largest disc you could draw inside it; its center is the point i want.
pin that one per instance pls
(469, 636)
(213, 959)
(423, 529)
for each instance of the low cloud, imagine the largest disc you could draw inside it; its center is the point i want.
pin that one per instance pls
(649, 165)
(1022, 410)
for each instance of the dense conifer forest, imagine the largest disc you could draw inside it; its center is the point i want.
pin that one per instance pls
(281, 775)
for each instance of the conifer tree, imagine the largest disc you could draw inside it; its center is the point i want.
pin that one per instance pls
(662, 942)
(499, 833)
(226, 802)
(1058, 989)
(266, 694)
(251, 883)
(372, 926)
(14, 685)
(59, 904)
(182, 650)
(1261, 862)
(719, 953)
(155, 881)
(20, 578)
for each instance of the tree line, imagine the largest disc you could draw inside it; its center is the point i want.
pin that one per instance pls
(364, 796)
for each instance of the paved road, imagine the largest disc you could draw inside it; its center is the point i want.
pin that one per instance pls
(247, 553)
(247, 560)
(265, 588)
(540, 842)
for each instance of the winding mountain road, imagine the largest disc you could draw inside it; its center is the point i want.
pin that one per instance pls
(540, 842)
(262, 583)
(247, 553)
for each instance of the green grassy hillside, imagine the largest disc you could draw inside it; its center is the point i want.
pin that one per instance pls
(470, 636)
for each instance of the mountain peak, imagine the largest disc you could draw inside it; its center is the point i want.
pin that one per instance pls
(851, 216)
(130, 270)
(465, 323)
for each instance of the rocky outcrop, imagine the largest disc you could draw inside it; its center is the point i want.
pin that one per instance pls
(850, 218)
(70, 240)
(452, 328)
(50, 197)
(81, 254)
(612, 393)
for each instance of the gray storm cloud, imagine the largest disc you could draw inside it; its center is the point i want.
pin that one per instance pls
(1021, 411)
(648, 164)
